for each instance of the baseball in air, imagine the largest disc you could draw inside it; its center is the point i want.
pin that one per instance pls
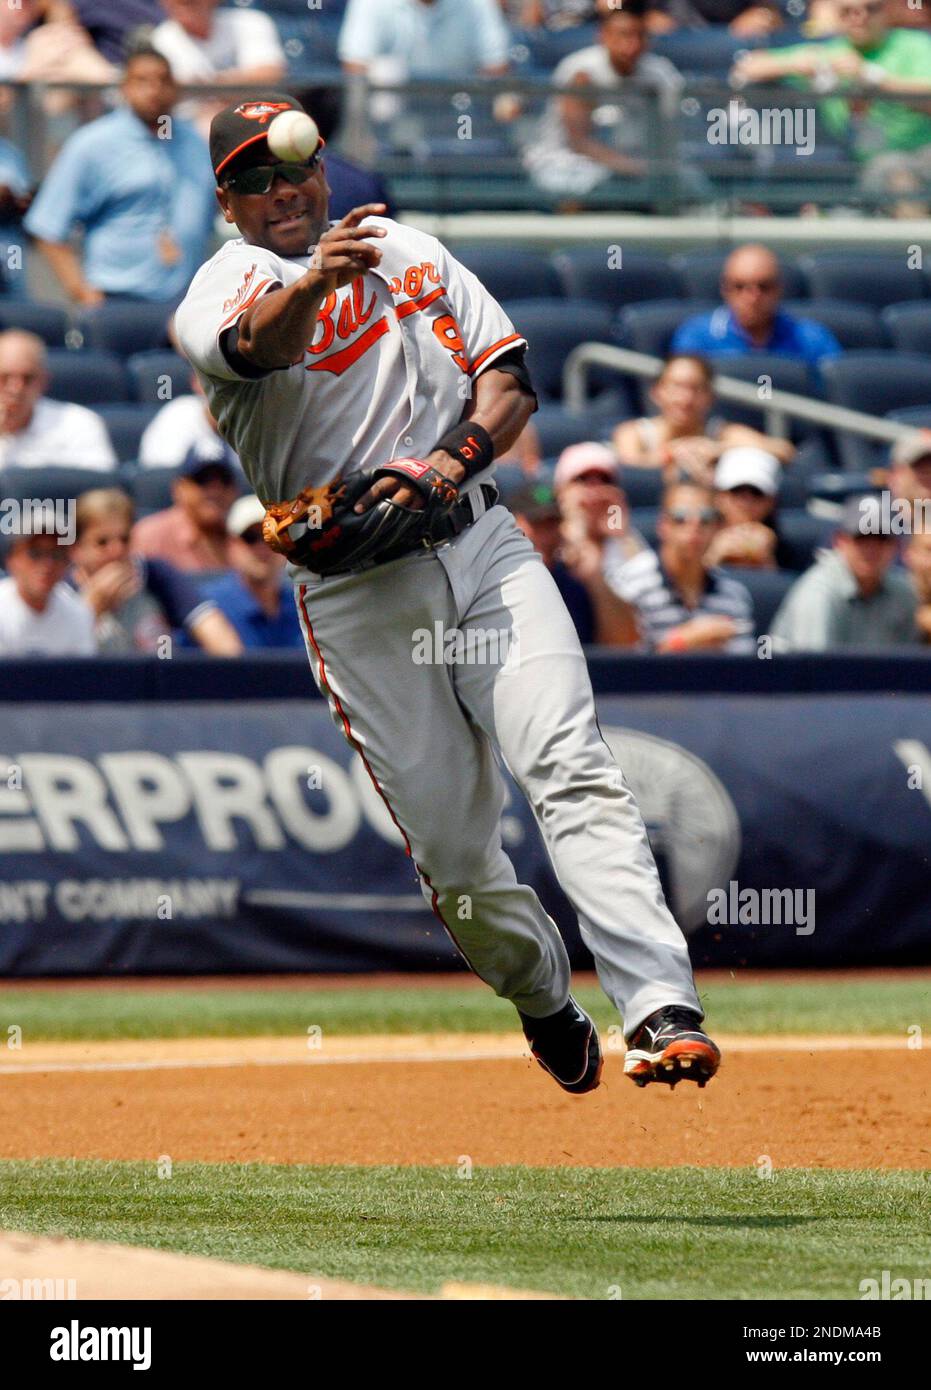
(293, 136)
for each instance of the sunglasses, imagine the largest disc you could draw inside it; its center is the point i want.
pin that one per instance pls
(252, 536)
(58, 556)
(260, 177)
(764, 286)
(706, 515)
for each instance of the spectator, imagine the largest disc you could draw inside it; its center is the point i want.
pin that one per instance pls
(191, 534)
(425, 38)
(570, 524)
(852, 596)
(146, 202)
(918, 560)
(680, 601)
(40, 615)
(34, 431)
(182, 424)
(891, 138)
(112, 26)
(257, 598)
(536, 512)
(137, 602)
(747, 482)
(581, 145)
(910, 468)
(222, 47)
(684, 437)
(554, 15)
(351, 186)
(750, 319)
(746, 19)
(15, 22)
(59, 49)
(15, 197)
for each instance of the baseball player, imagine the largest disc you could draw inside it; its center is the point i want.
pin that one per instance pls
(367, 381)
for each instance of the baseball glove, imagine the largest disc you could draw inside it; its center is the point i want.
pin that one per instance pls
(319, 530)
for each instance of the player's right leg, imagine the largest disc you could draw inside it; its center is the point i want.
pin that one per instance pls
(366, 637)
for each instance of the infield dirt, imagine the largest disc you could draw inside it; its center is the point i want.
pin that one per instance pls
(840, 1103)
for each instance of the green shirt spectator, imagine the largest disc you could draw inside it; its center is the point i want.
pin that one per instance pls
(887, 125)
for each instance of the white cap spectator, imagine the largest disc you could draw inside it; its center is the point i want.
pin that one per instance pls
(747, 467)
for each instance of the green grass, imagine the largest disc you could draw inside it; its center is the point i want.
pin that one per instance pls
(856, 1006)
(676, 1233)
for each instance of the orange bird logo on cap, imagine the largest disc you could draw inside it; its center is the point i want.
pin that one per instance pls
(261, 110)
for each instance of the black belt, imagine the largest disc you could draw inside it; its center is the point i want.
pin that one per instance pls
(460, 517)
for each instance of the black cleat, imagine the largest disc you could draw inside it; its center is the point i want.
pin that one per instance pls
(566, 1045)
(670, 1046)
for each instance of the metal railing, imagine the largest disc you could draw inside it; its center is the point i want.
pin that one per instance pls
(428, 138)
(777, 407)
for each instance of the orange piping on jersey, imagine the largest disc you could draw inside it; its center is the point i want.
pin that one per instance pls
(337, 362)
(412, 306)
(245, 305)
(330, 693)
(484, 356)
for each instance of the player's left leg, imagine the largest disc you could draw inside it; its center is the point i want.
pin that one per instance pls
(537, 706)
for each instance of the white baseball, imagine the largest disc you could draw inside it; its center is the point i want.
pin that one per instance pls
(293, 136)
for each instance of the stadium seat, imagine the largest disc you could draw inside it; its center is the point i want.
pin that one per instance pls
(643, 487)
(149, 373)
(649, 327)
(549, 47)
(917, 415)
(644, 520)
(785, 373)
(125, 426)
(554, 328)
(557, 429)
(877, 383)
(700, 273)
(88, 377)
(909, 326)
(48, 320)
(150, 488)
(805, 533)
(124, 328)
(863, 278)
(708, 52)
(767, 590)
(309, 45)
(511, 272)
(55, 483)
(853, 325)
(586, 273)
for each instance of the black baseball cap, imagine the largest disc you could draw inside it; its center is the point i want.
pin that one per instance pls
(240, 130)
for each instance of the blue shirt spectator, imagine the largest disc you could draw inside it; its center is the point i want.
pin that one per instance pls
(427, 38)
(255, 597)
(142, 189)
(750, 320)
(719, 333)
(255, 626)
(15, 186)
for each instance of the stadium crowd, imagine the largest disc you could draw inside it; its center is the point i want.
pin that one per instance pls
(671, 521)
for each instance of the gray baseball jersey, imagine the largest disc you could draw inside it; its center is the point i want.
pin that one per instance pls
(387, 373)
